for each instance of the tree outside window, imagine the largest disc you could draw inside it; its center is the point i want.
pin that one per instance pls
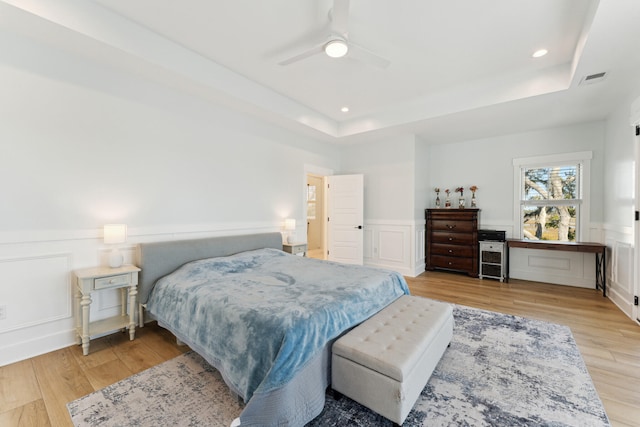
(551, 202)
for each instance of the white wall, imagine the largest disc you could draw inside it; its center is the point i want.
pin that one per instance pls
(619, 205)
(83, 145)
(392, 234)
(388, 168)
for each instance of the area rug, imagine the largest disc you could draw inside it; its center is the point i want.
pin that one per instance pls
(500, 370)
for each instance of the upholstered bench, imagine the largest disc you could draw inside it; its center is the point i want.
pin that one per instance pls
(385, 362)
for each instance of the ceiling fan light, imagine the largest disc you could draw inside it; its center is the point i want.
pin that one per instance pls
(336, 48)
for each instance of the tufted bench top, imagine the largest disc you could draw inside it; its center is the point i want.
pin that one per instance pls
(392, 341)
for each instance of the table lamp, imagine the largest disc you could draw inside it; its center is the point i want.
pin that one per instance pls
(113, 235)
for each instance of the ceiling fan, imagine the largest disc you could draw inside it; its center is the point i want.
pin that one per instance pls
(337, 45)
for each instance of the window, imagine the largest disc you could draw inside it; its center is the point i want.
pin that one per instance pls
(311, 201)
(551, 197)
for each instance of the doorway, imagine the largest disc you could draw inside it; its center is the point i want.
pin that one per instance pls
(315, 208)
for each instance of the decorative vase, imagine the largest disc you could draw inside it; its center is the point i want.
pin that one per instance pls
(438, 201)
(447, 202)
(461, 202)
(473, 200)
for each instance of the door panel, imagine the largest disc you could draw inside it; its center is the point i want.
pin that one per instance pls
(346, 214)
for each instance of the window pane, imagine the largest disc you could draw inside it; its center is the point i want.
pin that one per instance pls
(311, 210)
(311, 193)
(549, 223)
(551, 183)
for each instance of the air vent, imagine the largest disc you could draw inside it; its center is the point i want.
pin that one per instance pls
(593, 78)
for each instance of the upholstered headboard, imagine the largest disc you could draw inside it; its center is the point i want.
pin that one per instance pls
(158, 259)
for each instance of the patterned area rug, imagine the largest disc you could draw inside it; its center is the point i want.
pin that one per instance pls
(500, 370)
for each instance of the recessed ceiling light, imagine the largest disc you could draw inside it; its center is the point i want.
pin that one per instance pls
(539, 53)
(345, 109)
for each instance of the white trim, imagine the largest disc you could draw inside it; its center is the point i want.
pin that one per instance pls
(635, 310)
(31, 347)
(324, 173)
(170, 231)
(552, 159)
(67, 309)
(583, 158)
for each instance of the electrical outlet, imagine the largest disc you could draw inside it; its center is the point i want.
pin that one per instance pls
(3, 312)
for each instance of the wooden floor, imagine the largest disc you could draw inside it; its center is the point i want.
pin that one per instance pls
(34, 392)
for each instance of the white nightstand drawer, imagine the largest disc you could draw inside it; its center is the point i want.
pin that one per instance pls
(112, 281)
(497, 247)
(295, 248)
(298, 249)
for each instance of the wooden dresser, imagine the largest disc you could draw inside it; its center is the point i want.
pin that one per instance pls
(452, 240)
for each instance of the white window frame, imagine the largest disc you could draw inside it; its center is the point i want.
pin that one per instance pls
(583, 207)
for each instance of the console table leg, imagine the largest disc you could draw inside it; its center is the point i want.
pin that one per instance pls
(133, 291)
(85, 303)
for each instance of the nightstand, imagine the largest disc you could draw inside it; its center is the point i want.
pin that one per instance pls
(90, 280)
(295, 248)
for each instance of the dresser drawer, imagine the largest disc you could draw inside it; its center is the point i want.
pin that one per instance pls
(452, 238)
(452, 250)
(442, 261)
(112, 281)
(453, 225)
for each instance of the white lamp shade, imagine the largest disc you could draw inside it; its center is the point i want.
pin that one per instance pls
(115, 233)
(289, 224)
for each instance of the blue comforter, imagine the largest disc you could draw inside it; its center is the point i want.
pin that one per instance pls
(262, 315)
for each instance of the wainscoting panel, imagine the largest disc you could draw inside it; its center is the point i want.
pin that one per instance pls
(392, 247)
(620, 266)
(549, 263)
(623, 261)
(395, 245)
(367, 241)
(561, 268)
(420, 248)
(36, 290)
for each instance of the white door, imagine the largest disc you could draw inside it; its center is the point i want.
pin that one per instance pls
(345, 195)
(635, 309)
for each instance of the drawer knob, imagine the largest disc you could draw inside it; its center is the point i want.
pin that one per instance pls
(450, 238)
(112, 281)
(451, 227)
(450, 251)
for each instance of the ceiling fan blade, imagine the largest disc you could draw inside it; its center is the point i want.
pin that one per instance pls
(299, 57)
(340, 17)
(364, 55)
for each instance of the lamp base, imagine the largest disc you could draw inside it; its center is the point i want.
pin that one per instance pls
(115, 258)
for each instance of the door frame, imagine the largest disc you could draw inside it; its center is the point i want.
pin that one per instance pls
(635, 309)
(321, 172)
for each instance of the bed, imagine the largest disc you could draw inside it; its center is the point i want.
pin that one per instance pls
(264, 318)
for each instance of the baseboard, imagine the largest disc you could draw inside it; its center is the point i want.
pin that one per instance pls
(43, 344)
(405, 271)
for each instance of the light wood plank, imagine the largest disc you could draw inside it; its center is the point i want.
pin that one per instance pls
(18, 386)
(106, 374)
(33, 414)
(61, 380)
